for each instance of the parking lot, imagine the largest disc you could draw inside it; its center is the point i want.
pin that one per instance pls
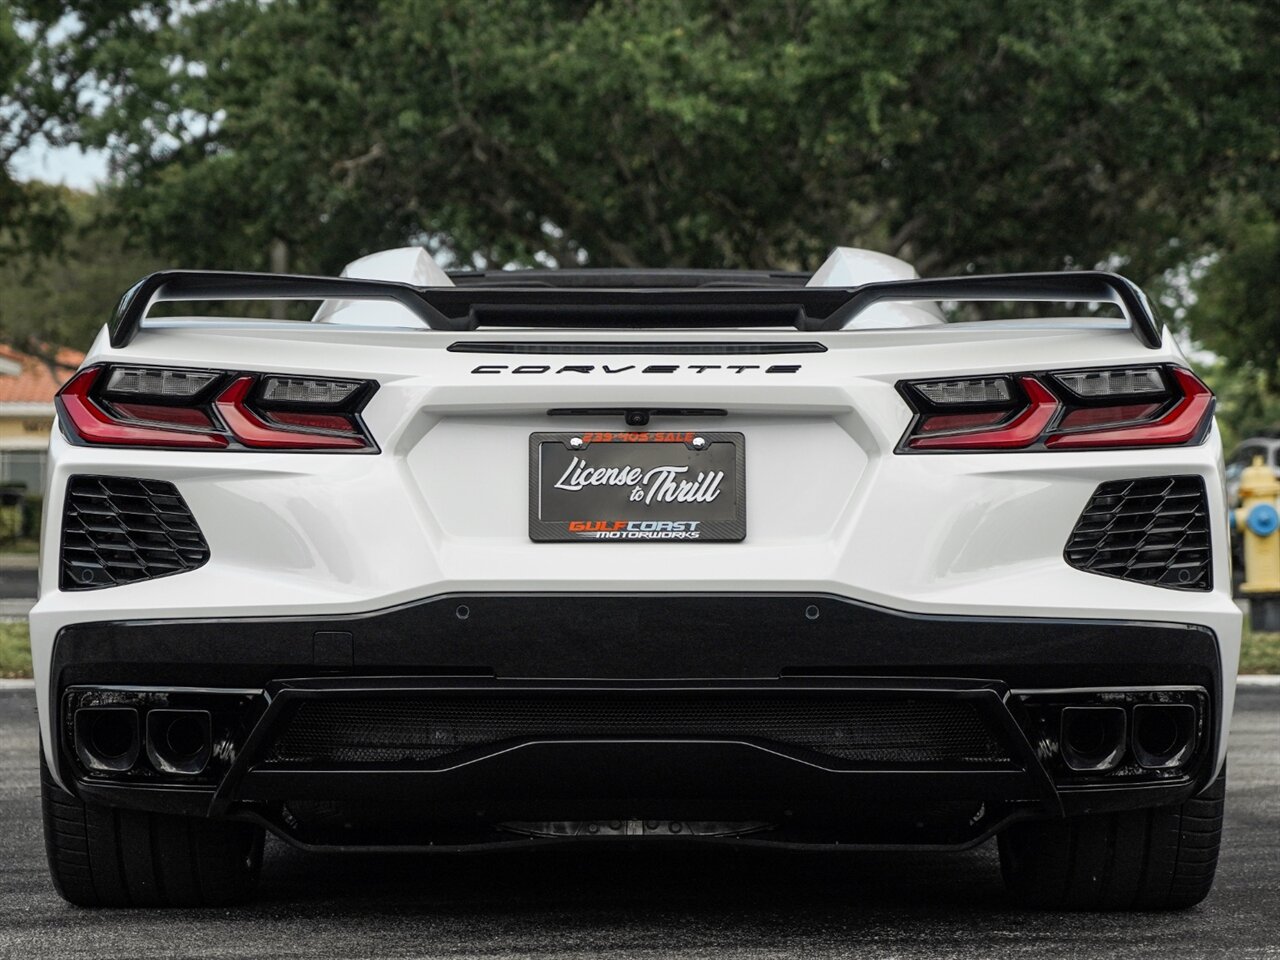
(656, 903)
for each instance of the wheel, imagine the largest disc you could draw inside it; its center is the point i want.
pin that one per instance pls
(1162, 858)
(103, 857)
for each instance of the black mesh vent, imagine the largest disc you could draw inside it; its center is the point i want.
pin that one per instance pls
(118, 530)
(419, 729)
(1154, 530)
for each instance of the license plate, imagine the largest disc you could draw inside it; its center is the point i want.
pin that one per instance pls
(653, 486)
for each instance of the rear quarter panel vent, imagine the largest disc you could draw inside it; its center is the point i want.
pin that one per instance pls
(1152, 530)
(119, 530)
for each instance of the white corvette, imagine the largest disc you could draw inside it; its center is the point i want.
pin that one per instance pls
(518, 558)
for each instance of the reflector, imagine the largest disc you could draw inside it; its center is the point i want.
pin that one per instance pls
(171, 416)
(158, 383)
(943, 392)
(307, 390)
(961, 421)
(1107, 416)
(1088, 384)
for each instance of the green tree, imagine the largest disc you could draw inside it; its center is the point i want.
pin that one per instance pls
(32, 217)
(1236, 312)
(1247, 404)
(1236, 309)
(678, 132)
(64, 300)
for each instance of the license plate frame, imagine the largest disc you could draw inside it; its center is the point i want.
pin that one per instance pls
(560, 511)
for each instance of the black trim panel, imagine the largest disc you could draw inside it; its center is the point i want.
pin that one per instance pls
(646, 641)
(715, 348)
(643, 636)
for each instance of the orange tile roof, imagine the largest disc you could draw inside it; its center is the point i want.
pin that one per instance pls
(36, 383)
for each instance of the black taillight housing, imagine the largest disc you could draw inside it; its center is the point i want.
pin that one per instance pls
(1150, 405)
(125, 405)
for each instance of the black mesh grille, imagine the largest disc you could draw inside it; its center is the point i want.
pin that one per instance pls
(418, 729)
(118, 530)
(1154, 530)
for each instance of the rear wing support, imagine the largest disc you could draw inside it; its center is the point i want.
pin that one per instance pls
(471, 306)
(1082, 286)
(179, 286)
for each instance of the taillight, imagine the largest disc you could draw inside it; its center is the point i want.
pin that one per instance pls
(254, 430)
(1181, 418)
(1061, 410)
(91, 421)
(129, 406)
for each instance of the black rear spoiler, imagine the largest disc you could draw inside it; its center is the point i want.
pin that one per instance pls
(471, 306)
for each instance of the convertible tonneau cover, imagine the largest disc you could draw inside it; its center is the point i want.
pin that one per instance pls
(679, 299)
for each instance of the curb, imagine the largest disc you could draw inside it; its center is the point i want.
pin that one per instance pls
(1258, 680)
(17, 684)
(19, 561)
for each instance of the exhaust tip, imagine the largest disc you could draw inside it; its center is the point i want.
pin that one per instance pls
(1164, 734)
(107, 738)
(1092, 739)
(179, 741)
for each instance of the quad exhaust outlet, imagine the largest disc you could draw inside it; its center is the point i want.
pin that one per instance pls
(1093, 738)
(1164, 734)
(1155, 736)
(107, 739)
(179, 741)
(114, 739)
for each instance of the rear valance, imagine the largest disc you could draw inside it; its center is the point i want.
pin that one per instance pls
(469, 307)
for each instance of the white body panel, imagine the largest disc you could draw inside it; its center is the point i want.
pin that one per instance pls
(853, 267)
(443, 507)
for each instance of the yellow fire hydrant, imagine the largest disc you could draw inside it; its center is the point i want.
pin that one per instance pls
(1258, 521)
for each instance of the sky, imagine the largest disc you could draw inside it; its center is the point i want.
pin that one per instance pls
(70, 166)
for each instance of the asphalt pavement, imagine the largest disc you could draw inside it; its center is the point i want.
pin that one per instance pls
(17, 584)
(652, 904)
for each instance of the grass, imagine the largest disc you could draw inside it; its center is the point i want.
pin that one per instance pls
(1260, 653)
(15, 650)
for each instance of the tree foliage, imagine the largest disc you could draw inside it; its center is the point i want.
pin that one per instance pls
(676, 132)
(64, 300)
(32, 217)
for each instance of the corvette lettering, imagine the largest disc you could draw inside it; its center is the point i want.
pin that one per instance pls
(526, 369)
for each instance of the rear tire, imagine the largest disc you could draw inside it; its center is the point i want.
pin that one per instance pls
(104, 857)
(1162, 858)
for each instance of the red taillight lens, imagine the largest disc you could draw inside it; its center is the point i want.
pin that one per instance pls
(1021, 429)
(91, 423)
(1075, 409)
(201, 409)
(1107, 416)
(1182, 421)
(253, 431)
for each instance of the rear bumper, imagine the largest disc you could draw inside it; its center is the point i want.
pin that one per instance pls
(627, 651)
